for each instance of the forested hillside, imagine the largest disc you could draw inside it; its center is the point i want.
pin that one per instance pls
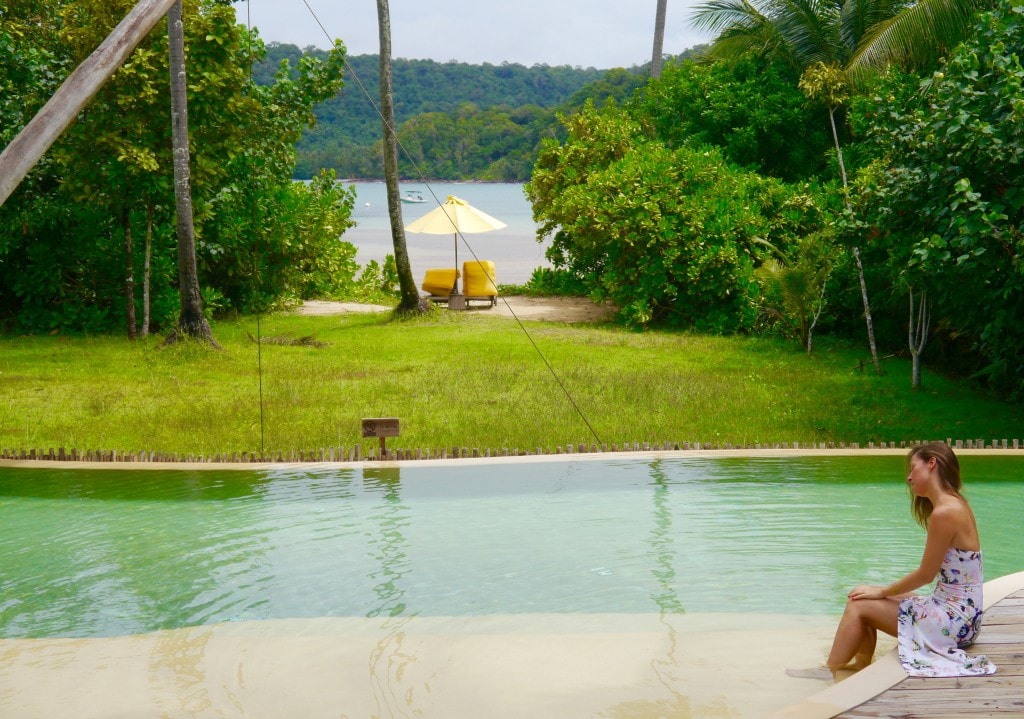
(456, 120)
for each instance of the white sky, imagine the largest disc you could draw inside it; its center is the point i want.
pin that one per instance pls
(584, 33)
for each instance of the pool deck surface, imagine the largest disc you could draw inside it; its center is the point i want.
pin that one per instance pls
(884, 689)
(618, 666)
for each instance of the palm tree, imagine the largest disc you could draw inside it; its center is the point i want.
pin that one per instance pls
(659, 39)
(856, 35)
(407, 285)
(191, 321)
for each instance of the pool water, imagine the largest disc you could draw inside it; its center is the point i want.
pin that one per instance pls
(103, 553)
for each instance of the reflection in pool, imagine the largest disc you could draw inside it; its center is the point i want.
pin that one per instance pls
(93, 553)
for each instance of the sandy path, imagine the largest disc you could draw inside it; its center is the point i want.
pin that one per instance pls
(549, 309)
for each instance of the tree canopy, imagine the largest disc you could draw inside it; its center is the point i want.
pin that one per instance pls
(944, 202)
(261, 238)
(709, 201)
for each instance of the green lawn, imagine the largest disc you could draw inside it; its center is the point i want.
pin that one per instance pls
(466, 380)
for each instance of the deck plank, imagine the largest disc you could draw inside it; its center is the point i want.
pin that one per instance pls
(998, 695)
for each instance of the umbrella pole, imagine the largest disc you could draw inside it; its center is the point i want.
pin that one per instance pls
(455, 289)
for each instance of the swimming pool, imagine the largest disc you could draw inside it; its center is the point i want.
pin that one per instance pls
(101, 553)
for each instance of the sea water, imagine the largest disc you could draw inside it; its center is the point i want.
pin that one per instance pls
(515, 251)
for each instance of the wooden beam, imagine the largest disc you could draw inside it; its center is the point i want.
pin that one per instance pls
(75, 93)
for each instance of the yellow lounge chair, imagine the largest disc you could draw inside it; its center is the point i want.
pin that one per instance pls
(481, 282)
(438, 282)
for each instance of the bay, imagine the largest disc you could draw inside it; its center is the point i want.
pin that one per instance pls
(513, 249)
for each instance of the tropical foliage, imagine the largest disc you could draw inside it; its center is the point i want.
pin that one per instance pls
(672, 236)
(856, 35)
(750, 108)
(67, 256)
(665, 203)
(944, 202)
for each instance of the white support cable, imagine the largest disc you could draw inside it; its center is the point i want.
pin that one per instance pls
(255, 249)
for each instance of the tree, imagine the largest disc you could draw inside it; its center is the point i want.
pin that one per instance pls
(409, 301)
(827, 84)
(261, 239)
(191, 322)
(916, 37)
(945, 202)
(844, 39)
(112, 144)
(659, 39)
(672, 236)
(60, 110)
(751, 108)
(795, 283)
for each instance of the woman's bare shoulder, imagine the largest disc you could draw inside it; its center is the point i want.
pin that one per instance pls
(951, 508)
(955, 518)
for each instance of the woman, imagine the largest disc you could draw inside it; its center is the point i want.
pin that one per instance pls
(930, 630)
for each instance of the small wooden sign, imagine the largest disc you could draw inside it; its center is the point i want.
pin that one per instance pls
(380, 427)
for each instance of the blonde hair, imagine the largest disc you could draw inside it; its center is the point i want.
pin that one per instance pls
(948, 467)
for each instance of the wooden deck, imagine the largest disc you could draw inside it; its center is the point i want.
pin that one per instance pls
(884, 690)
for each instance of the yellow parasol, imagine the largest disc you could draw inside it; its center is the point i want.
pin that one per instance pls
(456, 216)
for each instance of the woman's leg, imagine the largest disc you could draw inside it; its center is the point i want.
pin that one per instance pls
(866, 650)
(857, 631)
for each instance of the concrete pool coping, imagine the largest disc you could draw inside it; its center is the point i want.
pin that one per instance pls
(523, 458)
(885, 673)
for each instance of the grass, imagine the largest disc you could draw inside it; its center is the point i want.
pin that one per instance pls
(465, 380)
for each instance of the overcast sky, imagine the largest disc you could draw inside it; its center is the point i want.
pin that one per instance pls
(585, 33)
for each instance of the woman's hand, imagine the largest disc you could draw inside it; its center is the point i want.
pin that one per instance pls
(866, 592)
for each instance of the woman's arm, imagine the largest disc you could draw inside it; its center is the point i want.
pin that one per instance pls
(941, 530)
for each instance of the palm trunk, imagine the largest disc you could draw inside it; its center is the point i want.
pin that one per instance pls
(409, 295)
(856, 250)
(659, 39)
(191, 322)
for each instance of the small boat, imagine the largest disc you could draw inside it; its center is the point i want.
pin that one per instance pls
(412, 196)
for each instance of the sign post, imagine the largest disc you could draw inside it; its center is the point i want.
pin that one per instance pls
(381, 427)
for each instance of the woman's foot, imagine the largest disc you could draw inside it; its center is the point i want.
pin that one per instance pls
(827, 673)
(822, 673)
(861, 661)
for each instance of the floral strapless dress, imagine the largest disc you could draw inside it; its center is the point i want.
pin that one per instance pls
(933, 630)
